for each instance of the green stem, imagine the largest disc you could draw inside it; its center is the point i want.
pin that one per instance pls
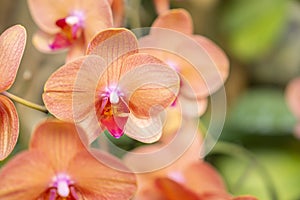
(239, 152)
(25, 102)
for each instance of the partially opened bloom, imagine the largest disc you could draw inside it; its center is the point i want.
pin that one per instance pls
(12, 44)
(68, 24)
(113, 87)
(293, 101)
(58, 166)
(202, 65)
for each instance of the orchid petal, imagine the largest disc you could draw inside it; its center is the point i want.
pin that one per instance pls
(69, 93)
(63, 140)
(169, 154)
(175, 19)
(203, 178)
(26, 176)
(118, 11)
(172, 190)
(41, 40)
(161, 6)
(208, 61)
(113, 43)
(148, 87)
(216, 54)
(77, 50)
(293, 96)
(55, 10)
(92, 126)
(105, 180)
(144, 130)
(197, 59)
(9, 127)
(96, 19)
(192, 107)
(12, 44)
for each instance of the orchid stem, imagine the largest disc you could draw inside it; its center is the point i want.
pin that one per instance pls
(25, 102)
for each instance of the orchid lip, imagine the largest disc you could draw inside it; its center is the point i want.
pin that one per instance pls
(61, 185)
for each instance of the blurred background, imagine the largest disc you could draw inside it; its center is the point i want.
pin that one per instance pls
(262, 41)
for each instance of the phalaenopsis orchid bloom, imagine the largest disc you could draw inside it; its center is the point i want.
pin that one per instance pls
(12, 44)
(187, 177)
(69, 24)
(113, 87)
(293, 100)
(202, 65)
(58, 166)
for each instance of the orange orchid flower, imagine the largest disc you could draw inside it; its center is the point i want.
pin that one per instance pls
(188, 177)
(113, 87)
(12, 44)
(58, 166)
(202, 65)
(68, 24)
(293, 101)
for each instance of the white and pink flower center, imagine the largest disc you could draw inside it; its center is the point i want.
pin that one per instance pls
(71, 30)
(112, 111)
(62, 186)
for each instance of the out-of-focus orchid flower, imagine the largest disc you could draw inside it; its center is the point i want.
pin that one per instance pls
(113, 87)
(12, 44)
(201, 64)
(58, 166)
(293, 101)
(68, 24)
(188, 177)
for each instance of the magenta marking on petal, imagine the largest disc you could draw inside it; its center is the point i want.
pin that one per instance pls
(53, 194)
(74, 193)
(71, 30)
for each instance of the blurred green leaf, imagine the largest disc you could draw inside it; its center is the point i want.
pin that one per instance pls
(281, 164)
(252, 26)
(261, 111)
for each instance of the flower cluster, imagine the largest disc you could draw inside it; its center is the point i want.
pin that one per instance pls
(114, 82)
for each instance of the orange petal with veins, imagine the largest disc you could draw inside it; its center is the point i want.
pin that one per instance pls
(113, 45)
(70, 92)
(26, 176)
(99, 177)
(9, 126)
(150, 86)
(59, 141)
(12, 44)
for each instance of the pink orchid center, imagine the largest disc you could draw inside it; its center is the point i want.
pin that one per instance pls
(71, 30)
(113, 112)
(62, 186)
